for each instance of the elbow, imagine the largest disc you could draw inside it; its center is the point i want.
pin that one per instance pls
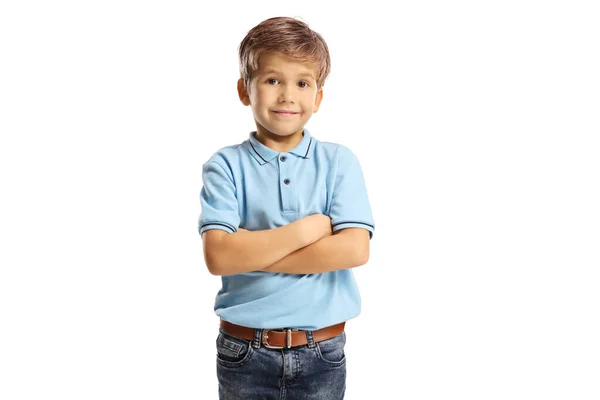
(213, 263)
(363, 258)
(216, 267)
(366, 259)
(358, 257)
(362, 253)
(220, 271)
(214, 270)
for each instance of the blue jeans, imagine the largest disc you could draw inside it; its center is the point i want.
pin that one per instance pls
(247, 370)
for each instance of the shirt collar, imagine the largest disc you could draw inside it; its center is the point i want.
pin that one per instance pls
(264, 154)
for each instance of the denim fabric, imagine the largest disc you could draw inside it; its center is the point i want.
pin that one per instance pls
(247, 370)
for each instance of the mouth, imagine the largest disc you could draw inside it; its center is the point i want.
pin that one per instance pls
(283, 112)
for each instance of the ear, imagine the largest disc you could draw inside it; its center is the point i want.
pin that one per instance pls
(318, 100)
(243, 93)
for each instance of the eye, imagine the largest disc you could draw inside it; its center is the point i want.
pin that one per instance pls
(271, 79)
(305, 84)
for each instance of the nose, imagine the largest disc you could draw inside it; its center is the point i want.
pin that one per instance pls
(286, 93)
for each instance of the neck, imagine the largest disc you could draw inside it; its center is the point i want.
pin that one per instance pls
(281, 144)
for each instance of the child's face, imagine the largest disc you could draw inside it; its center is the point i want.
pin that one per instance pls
(282, 84)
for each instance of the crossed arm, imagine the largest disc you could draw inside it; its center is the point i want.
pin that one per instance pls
(302, 247)
(346, 248)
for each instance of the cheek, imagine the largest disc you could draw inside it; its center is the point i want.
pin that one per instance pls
(257, 100)
(310, 103)
(262, 96)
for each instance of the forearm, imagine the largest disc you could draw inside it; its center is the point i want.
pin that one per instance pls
(246, 251)
(328, 254)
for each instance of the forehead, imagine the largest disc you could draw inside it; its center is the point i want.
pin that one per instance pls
(281, 63)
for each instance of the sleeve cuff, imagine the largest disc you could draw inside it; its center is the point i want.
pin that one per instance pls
(217, 225)
(353, 224)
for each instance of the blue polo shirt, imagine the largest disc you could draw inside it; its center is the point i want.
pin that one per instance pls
(252, 186)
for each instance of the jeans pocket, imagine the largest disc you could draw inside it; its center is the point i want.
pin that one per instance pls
(331, 350)
(233, 351)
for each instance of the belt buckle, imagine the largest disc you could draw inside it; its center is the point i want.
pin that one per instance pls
(288, 337)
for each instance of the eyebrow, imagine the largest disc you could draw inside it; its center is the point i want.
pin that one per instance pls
(271, 70)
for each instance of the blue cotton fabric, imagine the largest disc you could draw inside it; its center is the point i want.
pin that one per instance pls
(254, 187)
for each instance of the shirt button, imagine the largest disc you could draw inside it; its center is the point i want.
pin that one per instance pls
(286, 181)
(283, 158)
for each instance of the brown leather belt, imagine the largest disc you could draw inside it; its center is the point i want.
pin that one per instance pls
(282, 338)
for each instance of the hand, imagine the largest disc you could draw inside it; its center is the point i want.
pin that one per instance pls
(318, 226)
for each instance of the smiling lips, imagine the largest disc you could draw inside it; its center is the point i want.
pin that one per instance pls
(284, 112)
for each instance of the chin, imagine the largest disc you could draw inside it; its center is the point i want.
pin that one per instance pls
(287, 133)
(279, 132)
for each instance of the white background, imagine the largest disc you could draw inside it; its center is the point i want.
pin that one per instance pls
(476, 124)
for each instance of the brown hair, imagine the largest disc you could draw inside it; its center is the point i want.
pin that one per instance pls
(286, 35)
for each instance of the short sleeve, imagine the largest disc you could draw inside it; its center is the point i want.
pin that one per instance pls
(350, 206)
(218, 200)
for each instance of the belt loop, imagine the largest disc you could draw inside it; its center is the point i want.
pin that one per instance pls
(310, 339)
(257, 337)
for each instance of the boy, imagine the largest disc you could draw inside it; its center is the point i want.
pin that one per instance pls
(287, 285)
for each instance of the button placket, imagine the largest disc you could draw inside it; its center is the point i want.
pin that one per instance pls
(288, 194)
